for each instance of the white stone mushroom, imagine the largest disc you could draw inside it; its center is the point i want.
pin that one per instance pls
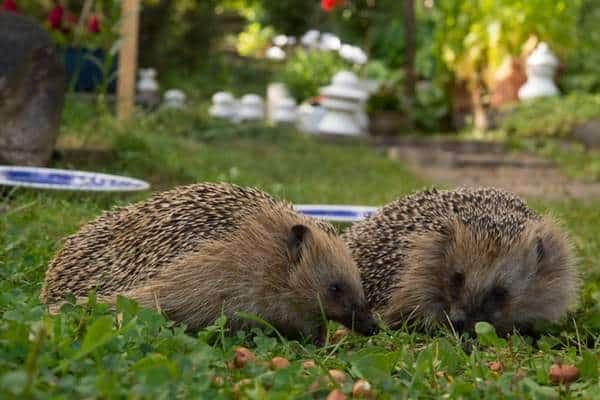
(342, 105)
(285, 111)
(541, 67)
(147, 81)
(147, 88)
(174, 98)
(251, 108)
(275, 53)
(224, 106)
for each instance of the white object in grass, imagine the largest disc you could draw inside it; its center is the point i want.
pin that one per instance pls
(338, 213)
(174, 98)
(224, 106)
(63, 179)
(285, 111)
(251, 107)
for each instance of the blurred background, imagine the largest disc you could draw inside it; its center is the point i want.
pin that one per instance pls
(344, 102)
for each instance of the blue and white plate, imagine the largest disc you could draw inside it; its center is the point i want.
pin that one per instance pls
(63, 179)
(339, 213)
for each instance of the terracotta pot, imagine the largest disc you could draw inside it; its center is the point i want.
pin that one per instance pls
(387, 122)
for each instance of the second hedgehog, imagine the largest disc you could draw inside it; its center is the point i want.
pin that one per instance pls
(464, 256)
(201, 250)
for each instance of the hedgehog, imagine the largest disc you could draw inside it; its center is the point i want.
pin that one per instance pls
(200, 251)
(461, 256)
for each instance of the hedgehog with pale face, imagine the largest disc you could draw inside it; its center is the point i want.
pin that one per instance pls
(463, 256)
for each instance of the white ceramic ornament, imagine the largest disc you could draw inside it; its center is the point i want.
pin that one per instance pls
(541, 67)
(224, 106)
(251, 107)
(309, 118)
(174, 98)
(147, 80)
(285, 111)
(342, 104)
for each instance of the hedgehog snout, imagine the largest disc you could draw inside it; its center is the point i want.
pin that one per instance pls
(361, 320)
(367, 325)
(460, 321)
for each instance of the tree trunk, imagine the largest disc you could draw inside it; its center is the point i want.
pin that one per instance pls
(409, 37)
(480, 118)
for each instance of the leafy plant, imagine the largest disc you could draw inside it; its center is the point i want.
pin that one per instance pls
(254, 40)
(290, 17)
(389, 91)
(430, 106)
(551, 116)
(475, 37)
(583, 67)
(306, 71)
(386, 98)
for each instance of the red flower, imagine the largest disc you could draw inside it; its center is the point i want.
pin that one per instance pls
(9, 5)
(329, 5)
(93, 24)
(55, 17)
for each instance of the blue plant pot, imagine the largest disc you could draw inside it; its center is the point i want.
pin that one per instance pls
(84, 69)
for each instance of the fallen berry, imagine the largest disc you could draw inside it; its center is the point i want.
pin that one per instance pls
(561, 373)
(243, 356)
(279, 362)
(362, 389)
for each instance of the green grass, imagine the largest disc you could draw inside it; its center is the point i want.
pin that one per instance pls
(91, 352)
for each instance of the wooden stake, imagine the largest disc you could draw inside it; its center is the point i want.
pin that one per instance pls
(127, 58)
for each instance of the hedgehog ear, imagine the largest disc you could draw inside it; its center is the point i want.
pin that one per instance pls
(536, 251)
(539, 249)
(297, 237)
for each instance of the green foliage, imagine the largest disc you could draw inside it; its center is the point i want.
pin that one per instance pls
(376, 26)
(177, 33)
(305, 71)
(430, 106)
(583, 67)
(290, 17)
(386, 98)
(473, 38)
(254, 40)
(378, 70)
(551, 116)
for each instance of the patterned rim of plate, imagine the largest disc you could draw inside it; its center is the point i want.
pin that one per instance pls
(339, 213)
(64, 179)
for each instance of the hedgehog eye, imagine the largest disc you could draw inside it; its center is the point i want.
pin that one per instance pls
(457, 280)
(499, 294)
(495, 299)
(335, 288)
